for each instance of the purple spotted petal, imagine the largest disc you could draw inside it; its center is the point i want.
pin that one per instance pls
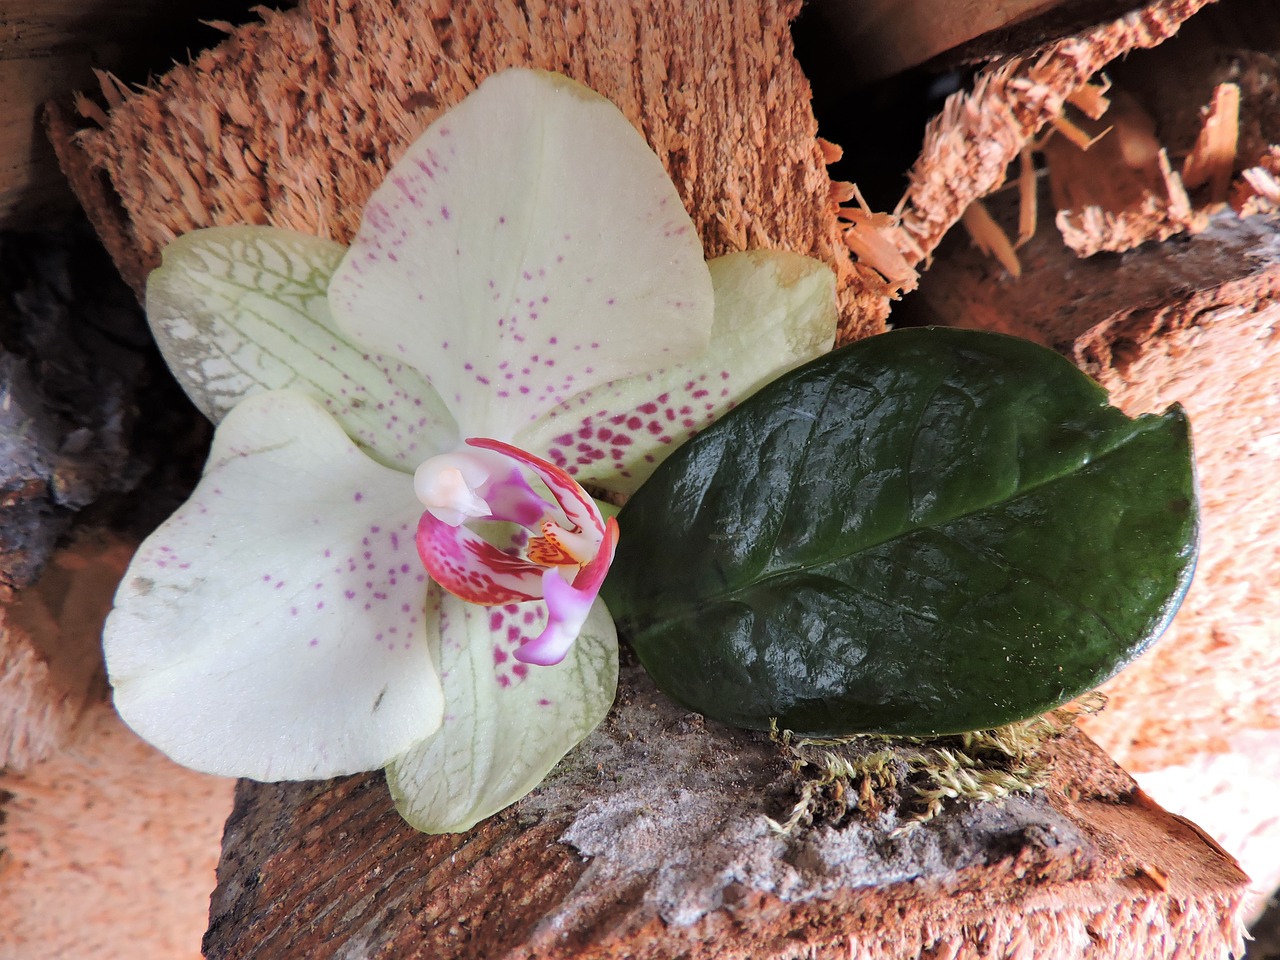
(273, 627)
(515, 271)
(774, 311)
(506, 723)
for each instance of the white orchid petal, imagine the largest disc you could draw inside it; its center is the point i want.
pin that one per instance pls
(506, 723)
(774, 311)
(529, 245)
(274, 626)
(240, 310)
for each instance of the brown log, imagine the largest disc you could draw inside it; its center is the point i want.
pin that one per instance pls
(651, 842)
(1192, 322)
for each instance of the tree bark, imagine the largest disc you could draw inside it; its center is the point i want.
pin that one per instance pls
(651, 842)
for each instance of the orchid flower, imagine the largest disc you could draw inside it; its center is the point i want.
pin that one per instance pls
(390, 560)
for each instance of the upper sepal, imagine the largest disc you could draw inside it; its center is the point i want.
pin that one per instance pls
(516, 270)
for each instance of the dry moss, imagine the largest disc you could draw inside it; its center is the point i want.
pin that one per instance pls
(868, 774)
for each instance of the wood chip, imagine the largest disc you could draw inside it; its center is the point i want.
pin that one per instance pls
(1212, 159)
(1120, 192)
(879, 242)
(1028, 196)
(1258, 189)
(988, 236)
(1091, 98)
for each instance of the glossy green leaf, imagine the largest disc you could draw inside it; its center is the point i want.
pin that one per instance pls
(926, 532)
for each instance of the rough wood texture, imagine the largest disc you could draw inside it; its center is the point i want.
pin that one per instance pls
(1193, 322)
(970, 145)
(664, 851)
(107, 851)
(292, 123)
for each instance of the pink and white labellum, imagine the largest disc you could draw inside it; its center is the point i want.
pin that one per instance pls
(567, 548)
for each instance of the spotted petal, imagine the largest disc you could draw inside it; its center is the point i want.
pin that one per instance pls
(529, 245)
(774, 311)
(240, 310)
(274, 626)
(506, 724)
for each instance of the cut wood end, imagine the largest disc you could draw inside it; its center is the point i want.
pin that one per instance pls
(290, 122)
(1192, 323)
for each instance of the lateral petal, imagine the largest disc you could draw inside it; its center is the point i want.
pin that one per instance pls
(274, 626)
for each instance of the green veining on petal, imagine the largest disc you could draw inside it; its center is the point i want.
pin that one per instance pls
(506, 725)
(240, 310)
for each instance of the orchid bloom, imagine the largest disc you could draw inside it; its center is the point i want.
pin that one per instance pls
(389, 560)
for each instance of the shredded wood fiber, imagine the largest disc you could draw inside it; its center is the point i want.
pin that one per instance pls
(970, 145)
(293, 121)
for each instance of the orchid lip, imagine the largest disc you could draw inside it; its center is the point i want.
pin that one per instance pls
(567, 548)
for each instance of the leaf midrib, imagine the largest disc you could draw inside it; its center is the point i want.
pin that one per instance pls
(1137, 428)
